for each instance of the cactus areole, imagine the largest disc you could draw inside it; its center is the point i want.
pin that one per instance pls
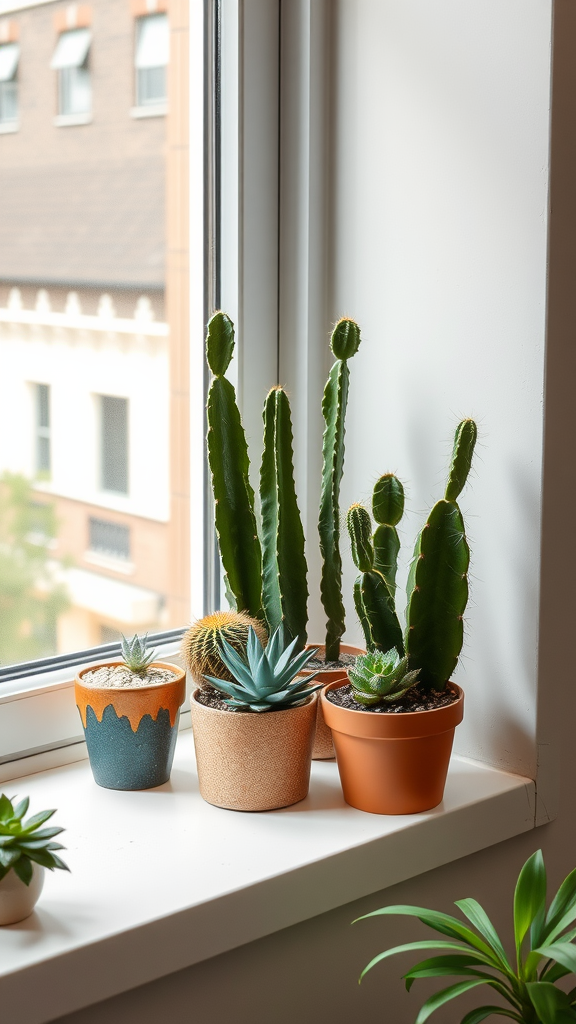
(345, 343)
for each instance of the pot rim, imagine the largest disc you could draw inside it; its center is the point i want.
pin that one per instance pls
(180, 674)
(405, 726)
(256, 715)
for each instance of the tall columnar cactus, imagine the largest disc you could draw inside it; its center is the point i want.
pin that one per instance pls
(388, 509)
(229, 465)
(345, 343)
(372, 596)
(284, 572)
(438, 581)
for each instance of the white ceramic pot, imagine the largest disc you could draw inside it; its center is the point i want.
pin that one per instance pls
(17, 901)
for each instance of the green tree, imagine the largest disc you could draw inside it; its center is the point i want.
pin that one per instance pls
(31, 599)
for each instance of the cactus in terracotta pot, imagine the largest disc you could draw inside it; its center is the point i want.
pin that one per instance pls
(284, 571)
(229, 465)
(438, 580)
(345, 343)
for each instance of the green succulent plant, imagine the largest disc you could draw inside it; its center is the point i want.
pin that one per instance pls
(379, 677)
(136, 654)
(544, 952)
(22, 842)
(264, 678)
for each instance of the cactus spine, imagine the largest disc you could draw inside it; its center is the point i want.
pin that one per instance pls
(284, 583)
(438, 581)
(202, 643)
(229, 466)
(388, 509)
(372, 596)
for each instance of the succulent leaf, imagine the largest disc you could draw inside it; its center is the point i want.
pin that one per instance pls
(136, 654)
(266, 679)
(24, 842)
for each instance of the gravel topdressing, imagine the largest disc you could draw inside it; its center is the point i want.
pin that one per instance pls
(117, 676)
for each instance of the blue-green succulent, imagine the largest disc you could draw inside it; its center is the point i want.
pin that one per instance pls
(266, 679)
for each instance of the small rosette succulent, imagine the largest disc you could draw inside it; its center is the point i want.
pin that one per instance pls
(379, 677)
(22, 842)
(136, 655)
(266, 679)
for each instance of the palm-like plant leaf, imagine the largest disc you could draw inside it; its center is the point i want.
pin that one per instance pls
(441, 998)
(479, 918)
(529, 897)
(481, 1012)
(551, 1004)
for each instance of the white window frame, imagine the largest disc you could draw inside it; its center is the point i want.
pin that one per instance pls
(10, 84)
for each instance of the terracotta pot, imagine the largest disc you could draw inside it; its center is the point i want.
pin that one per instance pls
(393, 764)
(131, 731)
(253, 762)
(17, 900)
(323, 748)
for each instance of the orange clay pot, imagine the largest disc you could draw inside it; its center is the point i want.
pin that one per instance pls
(393, 764)
(323, 749)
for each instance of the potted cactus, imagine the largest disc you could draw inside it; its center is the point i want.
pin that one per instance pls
(130, 712)
(266, 571)
(253, 734)
(202, 643)
(26, 849)
(393, 720)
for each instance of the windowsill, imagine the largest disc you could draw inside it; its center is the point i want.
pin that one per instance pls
(68, 120)
(8, 127)
(156, 110)
(140, 903)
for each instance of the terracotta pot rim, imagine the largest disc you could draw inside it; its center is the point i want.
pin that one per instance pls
(180, 674)
(406, 715)
(256, 715)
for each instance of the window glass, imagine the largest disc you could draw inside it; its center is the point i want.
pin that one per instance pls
(9, 55)
(151, 59)
(94, 458)
(114, 444)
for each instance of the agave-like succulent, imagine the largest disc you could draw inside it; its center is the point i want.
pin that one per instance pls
(22, 842)
(263, 679)
(379, 676)
(136, 654)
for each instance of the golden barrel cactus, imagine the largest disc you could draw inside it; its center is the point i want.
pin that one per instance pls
(202, 643)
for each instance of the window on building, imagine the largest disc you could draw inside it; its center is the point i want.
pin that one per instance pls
(151, 59)
(9, 56)
(70, 60)
(107, 538)
(114, 444)
(43, 453)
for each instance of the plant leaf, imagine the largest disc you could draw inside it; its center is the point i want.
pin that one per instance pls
(9, 856)
(529, 895)
(563, 953)
(551, 1004)
(423, 944)
(440, 998)
(6, 810)
(479, 918)
(21, 809)
(24, 869)
(443, 923)
(563, 902)
(37, 819)
(481, 1012)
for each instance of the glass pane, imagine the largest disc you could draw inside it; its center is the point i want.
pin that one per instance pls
(8, 102)
(150, 86)
(93, 322)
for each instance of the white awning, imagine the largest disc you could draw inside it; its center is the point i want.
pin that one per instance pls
(153, 41)
(71, 49)
(112, 599)
(9, 56)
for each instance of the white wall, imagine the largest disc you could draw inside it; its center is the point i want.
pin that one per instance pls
(439, 214)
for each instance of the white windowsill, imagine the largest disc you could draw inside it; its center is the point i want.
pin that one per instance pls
(140, 904)
(8, 127)
(68, 120)
(157, 110)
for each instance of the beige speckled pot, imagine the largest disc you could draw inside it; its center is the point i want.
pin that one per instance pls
(323, 748)
(17, 900)
(253, 762)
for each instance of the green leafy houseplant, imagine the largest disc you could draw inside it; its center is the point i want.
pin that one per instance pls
(264, 679)
(544, 953)
(24, 842)
(379, 677)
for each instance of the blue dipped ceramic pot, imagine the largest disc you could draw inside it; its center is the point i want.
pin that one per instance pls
(131, 731)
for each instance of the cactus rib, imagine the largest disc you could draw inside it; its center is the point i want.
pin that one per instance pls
(284, 583)
(345, 342)
(229, 467)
